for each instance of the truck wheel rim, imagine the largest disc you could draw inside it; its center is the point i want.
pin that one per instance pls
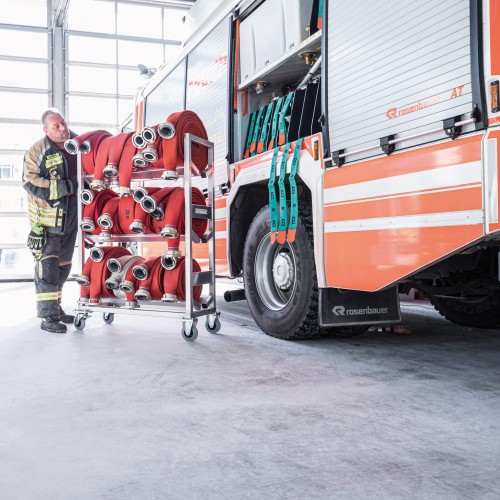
(275, 272)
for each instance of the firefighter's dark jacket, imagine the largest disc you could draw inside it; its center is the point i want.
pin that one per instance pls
(46, 179)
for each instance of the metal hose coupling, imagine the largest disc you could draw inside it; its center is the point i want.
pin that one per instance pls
(96, 254)
(127, 286)
(110, 171)
(105, 221)
(169, 297)
(138, 194)
(113, 282)
(114, 265)
(137, 227)
(97, 184)
(169, 232)
(85, 147)
(87, 225)
(83, 280)
(148, 203)
(170, 175)
(124, 191)
(150, 154)
(71, 146)
(142, 294)
(140, 272)
(149, 134)
(138, 140)
(159, 212)
(87, 196)
(166, 130)
(170, 258)
(139, 161)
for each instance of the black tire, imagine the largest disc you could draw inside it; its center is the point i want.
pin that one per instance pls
(193, 334)
(481, 311)
(289, 313)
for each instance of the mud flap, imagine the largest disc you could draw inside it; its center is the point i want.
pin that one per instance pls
(352, 307)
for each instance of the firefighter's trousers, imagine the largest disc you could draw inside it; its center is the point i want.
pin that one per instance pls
(53, 266)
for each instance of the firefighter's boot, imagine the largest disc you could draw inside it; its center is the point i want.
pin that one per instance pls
(66, 318)
(53, 325)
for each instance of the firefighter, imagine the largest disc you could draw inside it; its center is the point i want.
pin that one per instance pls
(50, 178)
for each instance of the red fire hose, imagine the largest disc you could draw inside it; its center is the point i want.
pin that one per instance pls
(92, 210)
(95, 272)
(173, 132)
(125, 166)
(174, 285)
(129, 282)
(87, 144)
(116, 149)
(108, 218)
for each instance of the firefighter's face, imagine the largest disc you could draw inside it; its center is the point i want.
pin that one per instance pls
(56, 129)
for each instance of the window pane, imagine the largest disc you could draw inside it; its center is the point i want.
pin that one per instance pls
(139, 20)
(92, 109)
(13, 164)
(23, 43)
(173, 25)
(23, 74)
(91, 15)
(22, 105)
(134, 53)
(87, 49)
(84, 79)
(125, 108)
(25, 13)
(18, 136)
(129, 81)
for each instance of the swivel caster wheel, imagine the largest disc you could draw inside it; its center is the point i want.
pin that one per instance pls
(192, 335)
(79, 322)
(216, 326)
(108, 318)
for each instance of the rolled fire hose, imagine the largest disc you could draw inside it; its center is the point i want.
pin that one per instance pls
(108, 219)
(118, 268)
(87, 144)
(173, 132)
(174, 283)
(126, 167)
(100, 162)
(129, 281)
(95, 272)
(115, 153)
(142, 223)
(93, 209)
(148, 274)
(126, 214)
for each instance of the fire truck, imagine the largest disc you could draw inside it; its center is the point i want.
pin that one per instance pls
(357, 150)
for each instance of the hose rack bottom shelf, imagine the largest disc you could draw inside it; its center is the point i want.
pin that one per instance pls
(110, 307)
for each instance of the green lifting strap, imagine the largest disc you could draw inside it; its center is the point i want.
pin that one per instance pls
(282, 132)
(262, 144)
(255, 136)
(273, 206)
(246, 154)
(294, 199)
(274, 129)
(283, 224)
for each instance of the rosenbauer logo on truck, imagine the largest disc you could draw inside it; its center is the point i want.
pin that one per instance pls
(342, 311)
(397, 112)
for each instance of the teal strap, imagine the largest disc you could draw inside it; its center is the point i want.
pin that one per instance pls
(250, 131)
(256, 131)
(282, 122)
(267, 117)
(276, 116)
(272, 192)
(281, 186)
(294, 200)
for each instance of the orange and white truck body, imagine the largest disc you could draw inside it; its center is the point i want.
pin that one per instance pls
(402, 175)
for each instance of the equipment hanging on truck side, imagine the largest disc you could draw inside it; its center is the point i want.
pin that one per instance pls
(357, 149)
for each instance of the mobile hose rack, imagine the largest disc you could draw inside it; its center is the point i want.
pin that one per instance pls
(190, 310)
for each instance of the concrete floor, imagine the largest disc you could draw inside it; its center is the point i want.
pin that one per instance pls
(132, 411)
